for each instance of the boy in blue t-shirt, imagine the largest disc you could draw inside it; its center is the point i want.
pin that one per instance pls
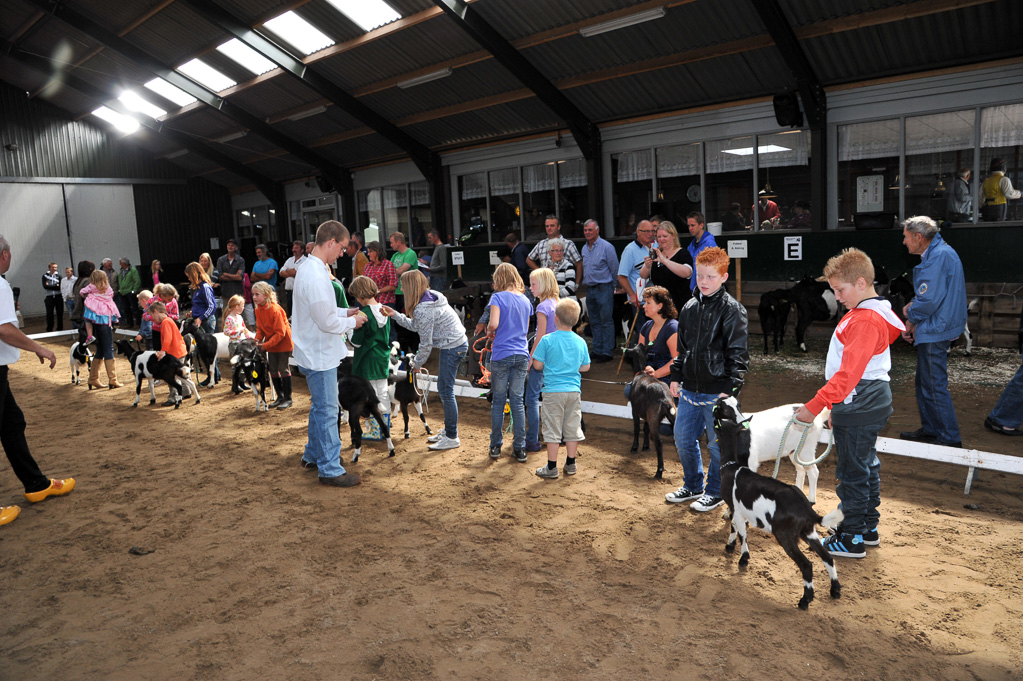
(562, 356)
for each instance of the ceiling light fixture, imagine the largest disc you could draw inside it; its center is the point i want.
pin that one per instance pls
(426, 78)
(315, 111)
(763, 149)
(622, 22)
(231, 137)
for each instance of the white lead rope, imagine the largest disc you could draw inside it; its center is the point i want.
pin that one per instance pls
(799, 447)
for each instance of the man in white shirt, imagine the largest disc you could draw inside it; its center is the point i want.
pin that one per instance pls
(318, 334)
(12, 420)
(289, 271)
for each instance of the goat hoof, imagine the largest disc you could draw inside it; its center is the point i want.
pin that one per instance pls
(428, 431)
(391, 453)
(177, 405)
(635, 448)
(137, 404)
(836, 590)
(646, 448)
(657, 475)
(152, 402)
(407, 435)
(744, 560)
(804, 604)
(729, 548)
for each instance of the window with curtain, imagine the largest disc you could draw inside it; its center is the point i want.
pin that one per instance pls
(573, 196)
(395, 199)
(371, 216)
(472, 200)
(678, 182)
(538, 197)
(1001, 136)
(421, 221)
(784, 175)
(504, 202)
(729, 178)
(632, 186)
(937, 146)
(868, 169)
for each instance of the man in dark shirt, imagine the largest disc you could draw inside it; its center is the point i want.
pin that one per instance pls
(230, 271)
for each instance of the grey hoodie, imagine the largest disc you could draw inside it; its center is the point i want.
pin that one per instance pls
(437, 325)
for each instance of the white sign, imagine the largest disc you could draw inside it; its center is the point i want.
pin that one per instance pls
(457, 257)
(738, 249)
(214, 243)
(494, 259)
(870, 193)
(793, 248)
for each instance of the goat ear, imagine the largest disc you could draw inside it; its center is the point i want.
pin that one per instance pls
(745, 424)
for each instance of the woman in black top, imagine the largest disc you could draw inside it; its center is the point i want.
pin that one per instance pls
(672, 267)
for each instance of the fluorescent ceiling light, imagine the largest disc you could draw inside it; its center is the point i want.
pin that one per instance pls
(368, 14)
(307, 113)
(299, 33)
(622, 22)
(231, 137)
(246, 213)
(206, 75)
(170, 92)
(133, 101)
(246, 56)
(175, 154)
(118, 120)
(748, 151)
(419, 80)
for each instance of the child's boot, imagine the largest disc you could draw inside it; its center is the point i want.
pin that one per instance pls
(284, 401)
(278, 390)
(94, 375)
(111, 374)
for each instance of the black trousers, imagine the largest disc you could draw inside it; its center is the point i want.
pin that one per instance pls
(54, 308)
(12, 437)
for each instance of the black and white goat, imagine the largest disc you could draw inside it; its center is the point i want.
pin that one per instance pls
(170, 370)
(774, 316)
(209, 348)
(356, 396)
(81, 356)
(403, 391)
(250, 368)
(766, 503)
(651, 403)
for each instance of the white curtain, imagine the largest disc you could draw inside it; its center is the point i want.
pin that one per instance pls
(876, 139)
(420, 193)
(395, 197)
(572, 173)
(369, 201)
(634, 166)
(720, 161)
(1001, 126)
(784, 150)
(537, 178)
(474, 186)
(504, 182)
(937, 133)
(678, 161)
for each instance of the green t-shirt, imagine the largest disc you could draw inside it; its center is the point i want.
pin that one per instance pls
(339, 293)
(406, 258)
(372, 348)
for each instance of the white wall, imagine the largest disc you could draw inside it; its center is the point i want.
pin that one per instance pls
(102, 221)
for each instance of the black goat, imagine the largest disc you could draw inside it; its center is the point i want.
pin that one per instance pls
(356, 396)
(770, 505)
(774, 316)
(207, 350)
(169, 369)
(403, 392)
(651, 403)
(81, 356)
(815, 302)
(250, 368)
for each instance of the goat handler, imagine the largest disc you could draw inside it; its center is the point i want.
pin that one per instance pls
(12, 421)
(859, 394)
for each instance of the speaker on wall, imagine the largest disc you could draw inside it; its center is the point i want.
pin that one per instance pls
(786, 109)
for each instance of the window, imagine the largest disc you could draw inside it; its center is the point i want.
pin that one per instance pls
(134, 102)
(573, 196)
(421, 221)
(729, 178)
(170, 92)
(206, 75)
(396, 210)
(784, 175)
(472, 201)
(632, 188)
(299, 33)
(868, 169)
(1001, 136)
(678, 183)
(538, 197)
(936, 147)
(371, 216)
(504, 202)
(368, 14)
(247, 57)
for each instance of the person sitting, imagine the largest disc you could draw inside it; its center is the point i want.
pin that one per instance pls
(802, 219)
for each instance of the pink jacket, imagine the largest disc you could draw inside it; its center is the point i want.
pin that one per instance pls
(101, 303)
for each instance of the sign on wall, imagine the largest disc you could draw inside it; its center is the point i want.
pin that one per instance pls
(457, 257)
(738, 249)
(870, 193)
(793, 248)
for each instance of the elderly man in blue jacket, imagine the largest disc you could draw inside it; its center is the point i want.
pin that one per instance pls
(934, 318)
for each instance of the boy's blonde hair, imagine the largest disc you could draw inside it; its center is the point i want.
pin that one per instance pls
(363, 288)
(414, 285)
(567, 312)
(716, 258)
(548, 283)
(850, 265)
(98, 278)
(506, 277)
(265, 290)
(158, 307)
(231, 303)
(143, 295)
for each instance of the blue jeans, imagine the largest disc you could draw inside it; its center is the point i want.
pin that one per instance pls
(534, 383)
(599, 307)
(70, 305)
(104, 334)
(446, 370)
(937, 415)
(1008, 412)
(324, 444)
(690, 422)
(508, 381)
(859, 475)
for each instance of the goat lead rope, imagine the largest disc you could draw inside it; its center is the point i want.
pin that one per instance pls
(484, 372)
(799, 448)
(697, 404)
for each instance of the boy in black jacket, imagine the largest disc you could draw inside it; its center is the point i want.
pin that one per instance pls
(713, 357)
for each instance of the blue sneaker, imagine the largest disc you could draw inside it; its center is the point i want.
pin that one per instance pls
(845, 545)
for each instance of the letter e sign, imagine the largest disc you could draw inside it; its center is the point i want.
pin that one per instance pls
(793, 248)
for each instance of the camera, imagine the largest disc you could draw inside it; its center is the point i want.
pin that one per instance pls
(653, 253)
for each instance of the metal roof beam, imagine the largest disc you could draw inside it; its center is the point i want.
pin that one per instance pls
(146, 61)
(586, 134)
(108, 98)
(424, 159)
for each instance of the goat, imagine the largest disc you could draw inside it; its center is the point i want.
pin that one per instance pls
(815, 302)
(209, 347)
(251, 368)
(81, 356)
(770, 505)
(356, 396)
(246, 350)
(774, 315)
(651, 402)
(169, 369)
(403, 392)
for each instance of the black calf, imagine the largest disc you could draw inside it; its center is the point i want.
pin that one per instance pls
(774, 316)
(651, 403)
(815, 302)
(356, 396)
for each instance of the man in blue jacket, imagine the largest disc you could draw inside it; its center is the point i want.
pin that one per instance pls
(934, 318)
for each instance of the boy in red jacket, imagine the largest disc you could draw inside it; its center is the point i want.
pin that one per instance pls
(859, 395)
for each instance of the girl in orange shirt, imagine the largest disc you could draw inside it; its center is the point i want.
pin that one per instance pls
(273, 336)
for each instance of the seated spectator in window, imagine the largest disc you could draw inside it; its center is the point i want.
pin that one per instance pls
(802, 217)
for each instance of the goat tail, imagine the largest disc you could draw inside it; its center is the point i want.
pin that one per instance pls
(833, 519)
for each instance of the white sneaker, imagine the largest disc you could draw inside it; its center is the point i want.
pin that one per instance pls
(437, 437)
(445, 442)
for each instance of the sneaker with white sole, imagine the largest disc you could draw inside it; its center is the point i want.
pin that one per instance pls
(436, 437)
(495, 452)
(706, 503)
(549, 473)
(680, 495)
(570, 469)
(845, 545)
(445, 442)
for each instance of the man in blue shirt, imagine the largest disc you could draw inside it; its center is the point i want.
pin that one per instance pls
(265, 268)
(701, 239)
(935, 317)
(600, 267)
(628, 270)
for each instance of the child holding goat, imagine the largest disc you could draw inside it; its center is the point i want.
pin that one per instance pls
(859, 395)
(372, 359)
(234, 325)
(273, 336)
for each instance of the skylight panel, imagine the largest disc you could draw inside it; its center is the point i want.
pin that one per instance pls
(120, 121)
(204, 74)
(368, 14)
(133, 101)
(170, 92)
(246, 56)
(299, 33)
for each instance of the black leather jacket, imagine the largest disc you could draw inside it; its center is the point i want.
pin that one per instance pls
(713, 355)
